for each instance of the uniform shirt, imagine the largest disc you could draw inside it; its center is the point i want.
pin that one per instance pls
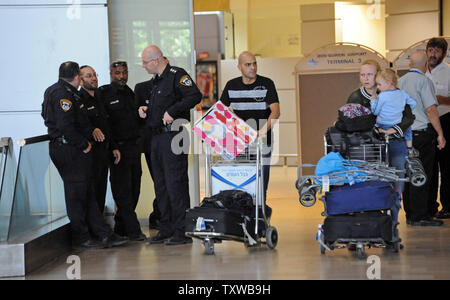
(440, 76)
(172, 91)
(389, 106)
(251, 102)
(122, 111)
(142, 92)
(418, 86)
(361, 96)
(95, 112)
(63, 114)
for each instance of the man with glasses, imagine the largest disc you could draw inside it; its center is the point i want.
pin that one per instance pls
(100, 147)
(125, 178)
(142, 92)
(172, 95)
(70, 146)
(439, 73)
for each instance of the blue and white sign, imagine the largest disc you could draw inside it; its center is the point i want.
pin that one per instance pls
(233, 177)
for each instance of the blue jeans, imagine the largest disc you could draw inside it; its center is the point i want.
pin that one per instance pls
(397, 159)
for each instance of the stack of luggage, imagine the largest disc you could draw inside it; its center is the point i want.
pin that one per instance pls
(358, 213)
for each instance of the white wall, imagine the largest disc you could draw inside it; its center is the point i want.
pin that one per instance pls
(36, 39)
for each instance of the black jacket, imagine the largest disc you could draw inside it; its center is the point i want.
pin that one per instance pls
(175, 92)
(122, 112)
(63, 114)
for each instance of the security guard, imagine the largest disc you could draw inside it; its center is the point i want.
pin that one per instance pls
(173, 95)
(142, 92)
(123, 119)
(100, 150)
(70, 151)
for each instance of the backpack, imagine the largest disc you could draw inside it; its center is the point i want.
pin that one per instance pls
(353, 117)
(231, 199)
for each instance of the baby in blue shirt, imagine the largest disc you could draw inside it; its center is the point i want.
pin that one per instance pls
(390, 103)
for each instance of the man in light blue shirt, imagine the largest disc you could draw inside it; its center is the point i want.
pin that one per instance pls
(427, 136)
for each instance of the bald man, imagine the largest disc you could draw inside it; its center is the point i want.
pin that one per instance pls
(427, 138)
(254, 99)
(172, 94)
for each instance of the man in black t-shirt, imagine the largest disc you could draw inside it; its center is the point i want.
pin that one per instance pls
(255, 100)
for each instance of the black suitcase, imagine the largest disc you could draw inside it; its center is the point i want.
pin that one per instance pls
(362, 226)
(218, 220)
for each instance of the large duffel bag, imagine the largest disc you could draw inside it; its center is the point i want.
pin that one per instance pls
(359, 197)
(218, 220)
(361, 226)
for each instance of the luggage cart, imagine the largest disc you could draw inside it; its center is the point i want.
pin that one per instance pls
(257, 230)
(375, 160)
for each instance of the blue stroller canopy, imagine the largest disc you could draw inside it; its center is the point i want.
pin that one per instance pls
(333, 163)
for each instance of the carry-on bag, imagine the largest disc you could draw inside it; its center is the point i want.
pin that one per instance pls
(359, 197)
(366, 226)
(218, 220)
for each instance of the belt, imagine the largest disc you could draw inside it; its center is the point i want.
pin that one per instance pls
(429, 126)
(129, 141)
(165, 129)
(60, 140)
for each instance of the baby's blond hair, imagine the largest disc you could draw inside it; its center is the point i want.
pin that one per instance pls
(388, 75)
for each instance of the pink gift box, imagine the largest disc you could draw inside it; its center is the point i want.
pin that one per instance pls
(226, 133)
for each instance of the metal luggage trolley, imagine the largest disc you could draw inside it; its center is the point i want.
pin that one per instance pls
(373, 161)
(249, 160)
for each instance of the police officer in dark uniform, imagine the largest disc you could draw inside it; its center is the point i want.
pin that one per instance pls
(100, 150)
(173, 95)
(70, 150)
(124, 122)
(142, 93)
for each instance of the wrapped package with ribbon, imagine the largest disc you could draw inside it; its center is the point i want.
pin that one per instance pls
(224, 131)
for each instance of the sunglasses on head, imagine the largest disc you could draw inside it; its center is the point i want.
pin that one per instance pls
(119, 64)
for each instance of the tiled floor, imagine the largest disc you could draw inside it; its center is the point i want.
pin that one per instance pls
(426, 254)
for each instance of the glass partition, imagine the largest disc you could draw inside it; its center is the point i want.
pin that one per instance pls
(8, 168)
(38, 192)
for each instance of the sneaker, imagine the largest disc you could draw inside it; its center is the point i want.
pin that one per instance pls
(443, 214)
(178, 240)
(114, 240)
(89, 244)
(413, 152)
(137, 237)
(425, 222)
(158, 239)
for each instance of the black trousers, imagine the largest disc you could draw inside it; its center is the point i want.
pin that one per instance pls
(99, 171)
(418, 200)
(74, 168)
(147, 142)
(442, 165)
(125, 186)
(155, 215)
(171, 182)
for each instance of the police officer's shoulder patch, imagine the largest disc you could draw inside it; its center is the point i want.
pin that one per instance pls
(186, 80)
(65, 104)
